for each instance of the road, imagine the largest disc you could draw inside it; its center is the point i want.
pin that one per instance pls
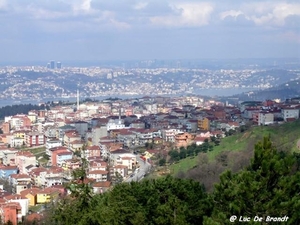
(140, 173)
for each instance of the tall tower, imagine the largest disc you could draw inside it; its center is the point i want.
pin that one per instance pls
(120, 115)
(58, 65)
(77, 99)
(52, 64)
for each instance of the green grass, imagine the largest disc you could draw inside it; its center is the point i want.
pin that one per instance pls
(36, 208)
(284, 136)
(35, 150)
(184, 165)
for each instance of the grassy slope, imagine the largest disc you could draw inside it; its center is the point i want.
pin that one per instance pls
(284, 136)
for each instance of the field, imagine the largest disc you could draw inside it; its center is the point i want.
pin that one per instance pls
(38, 152)
(284, 136)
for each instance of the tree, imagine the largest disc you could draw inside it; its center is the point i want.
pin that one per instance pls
(268, 187)
(70, 209)
(162, 162)
(174, 155)
(166, 200)
(182, 153)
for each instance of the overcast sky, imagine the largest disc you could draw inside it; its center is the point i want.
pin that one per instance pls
(148, 29)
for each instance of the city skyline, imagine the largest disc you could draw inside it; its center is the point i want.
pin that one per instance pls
(135, 30)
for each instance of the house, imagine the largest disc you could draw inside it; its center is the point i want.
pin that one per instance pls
(101, 186)
(76, 146)
(191, 126)
(203, 123)
(70, 137)
(17, 198)
(289, 112)
(16, 142)
(35, 175)
(34, 139)
(183, 139)
(11, 211)
(91, 151)
(228, 125)
(97, 165)
(249, 112)
(97, 133)
(200, 140)
(169, 134)
(127, 136)
(263, 118)
(6, 171)
(60, 156)
(52, 143)
(19, 182)
(98, 175)
(53, 176)
(50, 151)
(31, 195)
(122, 170)
(47, 194)
(8, 156)
(123, 157)
(19, 121)
(24, 159)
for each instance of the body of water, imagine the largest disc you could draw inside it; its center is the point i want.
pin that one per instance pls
(204, 92)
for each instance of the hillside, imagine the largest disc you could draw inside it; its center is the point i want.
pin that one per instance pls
(283, 91)
(284, 137)
(268, 187)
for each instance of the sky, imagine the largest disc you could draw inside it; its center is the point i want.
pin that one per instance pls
(64, 30)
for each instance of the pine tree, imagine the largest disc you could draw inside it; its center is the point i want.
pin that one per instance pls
(268, 187)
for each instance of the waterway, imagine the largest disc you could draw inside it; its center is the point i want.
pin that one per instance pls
(202, 92)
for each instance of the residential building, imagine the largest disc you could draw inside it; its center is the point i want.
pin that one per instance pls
(19, 182)
(98, 175)
(264, 118)
(290, 113)
(6, 171)
(8, 157)
(34, 139)
(183, 139)
(91, 151)
(59, 157)
(12, 212)
(204, 124)
(24, 159)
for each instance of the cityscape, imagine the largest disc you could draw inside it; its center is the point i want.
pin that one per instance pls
(58, 82)
(146, 112)
(41, 149)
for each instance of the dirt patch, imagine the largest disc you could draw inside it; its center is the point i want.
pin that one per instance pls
(246, 135)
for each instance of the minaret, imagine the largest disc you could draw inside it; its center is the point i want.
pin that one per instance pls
(119, 115)
(77, 99)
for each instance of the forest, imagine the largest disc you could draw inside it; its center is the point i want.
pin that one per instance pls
(266, 188)
(11, 110)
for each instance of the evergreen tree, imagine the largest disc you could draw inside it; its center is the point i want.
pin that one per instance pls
(266, 188)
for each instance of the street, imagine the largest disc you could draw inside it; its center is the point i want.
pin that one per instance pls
(139, 173)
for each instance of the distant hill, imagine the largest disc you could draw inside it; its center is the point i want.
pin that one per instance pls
(284, 91)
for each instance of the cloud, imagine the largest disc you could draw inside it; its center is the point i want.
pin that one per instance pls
(140, 5)
(83, 6)
(270, 13)
(3, 4)
(231, 13)
(185, 14)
